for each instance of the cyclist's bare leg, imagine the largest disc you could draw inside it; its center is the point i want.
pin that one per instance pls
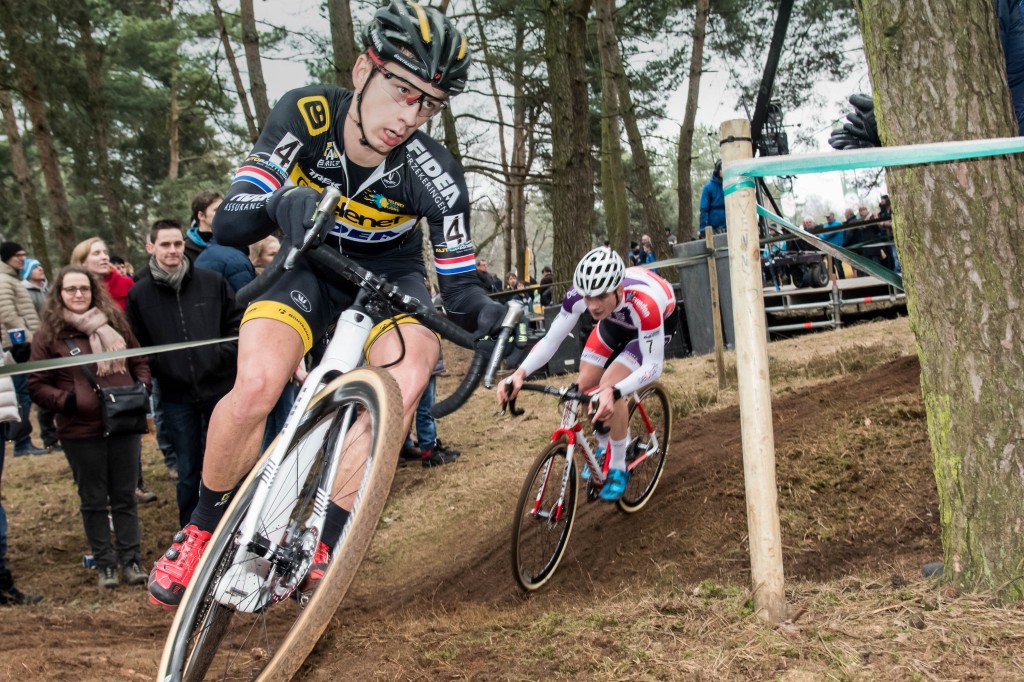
(268, 353)
(412, 374)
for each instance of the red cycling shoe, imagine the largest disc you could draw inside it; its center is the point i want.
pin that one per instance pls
(173, 571)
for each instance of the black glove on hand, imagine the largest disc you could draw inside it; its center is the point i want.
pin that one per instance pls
(292, 208)
(70, 404)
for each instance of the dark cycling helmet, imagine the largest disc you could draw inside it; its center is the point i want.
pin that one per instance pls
(601, 270)
(422, 40)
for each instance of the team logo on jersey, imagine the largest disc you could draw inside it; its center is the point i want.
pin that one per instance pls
(331, 157)
(315, 113)
(392, 179)
(438, 182)
(299, 299)
(380, 201)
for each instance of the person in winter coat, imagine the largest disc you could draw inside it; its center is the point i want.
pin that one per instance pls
(9, 594)
(17, 312)
(33, 278)
(200, 232)
(92, 253)
(712, 203)
(80, 318)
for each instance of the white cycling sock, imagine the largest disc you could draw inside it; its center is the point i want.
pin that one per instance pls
(602, 441)
(618, 460)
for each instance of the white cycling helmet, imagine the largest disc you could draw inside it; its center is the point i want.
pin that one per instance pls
(599, 272)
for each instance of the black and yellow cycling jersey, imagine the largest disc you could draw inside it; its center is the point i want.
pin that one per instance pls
(378, 217)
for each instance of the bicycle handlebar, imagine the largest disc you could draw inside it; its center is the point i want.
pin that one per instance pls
(564, 393)
(332, 263)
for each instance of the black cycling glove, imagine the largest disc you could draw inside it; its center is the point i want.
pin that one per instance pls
(292, 208)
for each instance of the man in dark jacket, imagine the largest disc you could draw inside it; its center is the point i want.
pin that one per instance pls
(712, 203)
(177, 303)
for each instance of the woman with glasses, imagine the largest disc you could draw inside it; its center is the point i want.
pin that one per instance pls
(80, 318)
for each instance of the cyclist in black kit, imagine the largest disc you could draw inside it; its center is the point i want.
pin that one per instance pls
(368, 145)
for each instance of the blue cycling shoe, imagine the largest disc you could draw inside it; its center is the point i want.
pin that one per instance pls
(615, 485)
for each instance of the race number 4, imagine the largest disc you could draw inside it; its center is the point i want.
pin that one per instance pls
(455, 232)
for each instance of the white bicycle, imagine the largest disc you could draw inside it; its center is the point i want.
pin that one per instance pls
(242, 616)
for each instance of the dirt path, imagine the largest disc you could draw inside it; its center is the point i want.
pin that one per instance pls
(862, 499)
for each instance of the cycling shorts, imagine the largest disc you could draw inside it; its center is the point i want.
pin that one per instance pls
(311, 305)
(609, 342)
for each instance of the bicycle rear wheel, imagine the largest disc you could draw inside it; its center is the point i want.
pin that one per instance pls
(544, 517)
(266, 634)
(650, 424)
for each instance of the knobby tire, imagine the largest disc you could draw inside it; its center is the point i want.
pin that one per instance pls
(538, 545)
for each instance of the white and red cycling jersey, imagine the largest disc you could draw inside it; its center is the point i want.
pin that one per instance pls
(634, 334)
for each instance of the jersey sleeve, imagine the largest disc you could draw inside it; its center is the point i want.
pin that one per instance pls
(651, 339)
(443, 200)
(563, 325)
(243, 219)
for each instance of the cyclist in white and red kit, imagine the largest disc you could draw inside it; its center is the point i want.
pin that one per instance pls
(624, 352)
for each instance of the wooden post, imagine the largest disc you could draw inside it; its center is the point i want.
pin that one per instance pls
(716, 311)
(754, 384)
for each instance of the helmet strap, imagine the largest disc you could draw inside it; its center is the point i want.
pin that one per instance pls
(359, 115)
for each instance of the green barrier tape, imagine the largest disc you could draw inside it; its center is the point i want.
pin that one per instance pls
(905, 155)
(75, 361)
(735, 185)
(860, 262)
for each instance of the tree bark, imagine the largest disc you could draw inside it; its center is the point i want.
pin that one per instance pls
(654, 223)
(514, 165)
(343, 41)
(572, 179)
(23, 176)
(613, 177)
(99, 118)
(957, 227)
(251, 43)
(229, 54)
(60, 216)
(684, 155)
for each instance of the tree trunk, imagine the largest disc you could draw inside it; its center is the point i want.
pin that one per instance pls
(60, 216)
(613, 177)
(957, 226)
(100, 149)
(572, 179)
(229, 54)
(173, 127)
(343, 41)
(23, 176)
(251, 43)
(645, 190)
(684, 157)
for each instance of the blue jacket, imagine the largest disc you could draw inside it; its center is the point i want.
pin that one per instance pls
(712, 204)
(233, 264)
(836, 238)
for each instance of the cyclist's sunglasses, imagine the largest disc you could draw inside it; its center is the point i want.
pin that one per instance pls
(404, 92)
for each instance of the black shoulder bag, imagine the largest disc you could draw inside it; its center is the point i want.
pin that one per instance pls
(123, 408)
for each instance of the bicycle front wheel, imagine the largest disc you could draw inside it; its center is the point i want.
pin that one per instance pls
(544, 517)
(240, 618)
(650, 427)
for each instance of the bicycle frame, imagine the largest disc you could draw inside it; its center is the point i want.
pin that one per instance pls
(344, 353)
(571, 428)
